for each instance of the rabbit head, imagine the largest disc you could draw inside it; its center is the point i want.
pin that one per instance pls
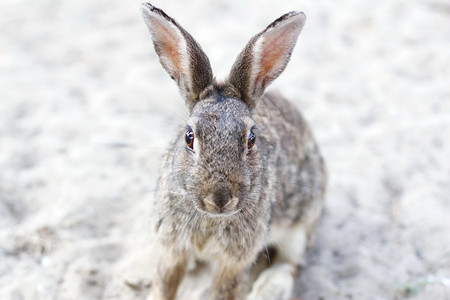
(218, 164)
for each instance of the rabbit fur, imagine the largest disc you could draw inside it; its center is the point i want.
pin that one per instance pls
(222, 196)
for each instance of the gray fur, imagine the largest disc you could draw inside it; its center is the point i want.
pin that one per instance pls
(222, 201)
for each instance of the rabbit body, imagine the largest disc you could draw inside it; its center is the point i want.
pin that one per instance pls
(243, 173)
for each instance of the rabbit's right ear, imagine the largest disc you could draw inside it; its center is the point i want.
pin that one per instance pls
(179, 54)
(265, 57)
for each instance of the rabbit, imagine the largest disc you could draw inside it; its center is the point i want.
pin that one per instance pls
(243, 173)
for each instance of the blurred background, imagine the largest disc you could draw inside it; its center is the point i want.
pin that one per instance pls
(86, 112)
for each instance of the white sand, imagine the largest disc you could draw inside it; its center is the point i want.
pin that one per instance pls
(86, 112)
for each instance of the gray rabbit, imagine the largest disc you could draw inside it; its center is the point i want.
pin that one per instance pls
(244, 172)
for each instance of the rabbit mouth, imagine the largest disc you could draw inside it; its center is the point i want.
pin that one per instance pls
(220, 208)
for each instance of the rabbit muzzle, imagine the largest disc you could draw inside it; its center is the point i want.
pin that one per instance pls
(220, 202)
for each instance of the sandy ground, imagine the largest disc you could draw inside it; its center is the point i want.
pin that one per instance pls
(86, 112)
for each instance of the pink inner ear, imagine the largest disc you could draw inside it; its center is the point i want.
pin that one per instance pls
(168, 42)
(275, 50)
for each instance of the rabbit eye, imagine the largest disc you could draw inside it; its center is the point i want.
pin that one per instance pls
(189, 138)
(251, 140)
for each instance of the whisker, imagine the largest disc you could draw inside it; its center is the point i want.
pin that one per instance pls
(267, 253)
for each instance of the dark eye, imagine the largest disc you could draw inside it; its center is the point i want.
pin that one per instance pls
(189, 138)
(251, 140)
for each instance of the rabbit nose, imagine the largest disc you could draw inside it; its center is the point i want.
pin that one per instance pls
(221, 200)
(221, 197)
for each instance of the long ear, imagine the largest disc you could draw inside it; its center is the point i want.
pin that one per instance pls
(265, 57)
(179, 54)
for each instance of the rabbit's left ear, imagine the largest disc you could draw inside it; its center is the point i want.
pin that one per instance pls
(179, 54)
(265, 57)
